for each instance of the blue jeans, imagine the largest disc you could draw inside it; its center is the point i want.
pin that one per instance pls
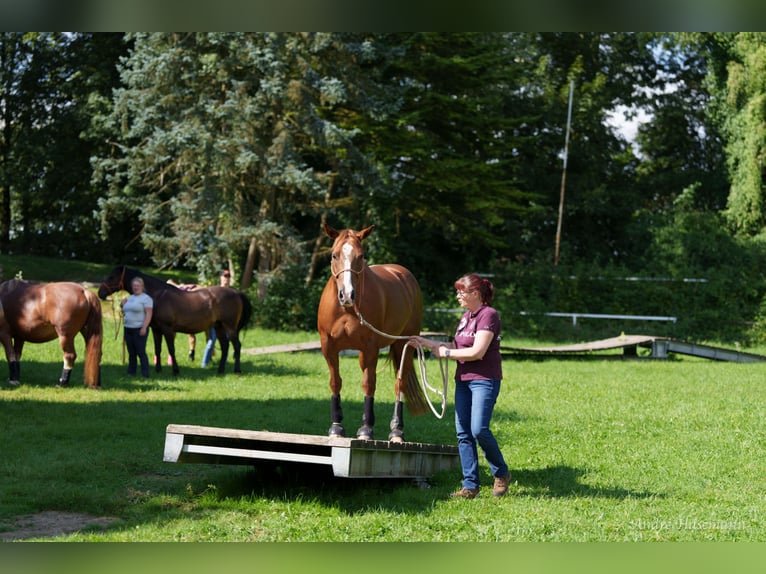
(207, 356)
(474, 403)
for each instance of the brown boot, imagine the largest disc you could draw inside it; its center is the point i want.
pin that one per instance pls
(501, 485)
(465, 493)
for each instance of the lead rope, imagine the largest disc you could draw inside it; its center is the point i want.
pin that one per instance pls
(418, 348)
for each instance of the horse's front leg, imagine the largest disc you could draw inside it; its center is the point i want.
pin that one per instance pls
(170, 339)
(67, 345)
(10, 356)
(336, 383)
(157, 336)
(368, 362)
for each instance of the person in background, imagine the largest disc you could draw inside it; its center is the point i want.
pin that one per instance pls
(476, 349)
(224, 281)
(137, 310)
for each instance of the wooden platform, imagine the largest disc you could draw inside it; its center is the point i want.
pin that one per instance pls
(660, 347)
(348, 457)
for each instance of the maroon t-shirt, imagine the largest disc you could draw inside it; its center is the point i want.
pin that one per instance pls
(490, 367)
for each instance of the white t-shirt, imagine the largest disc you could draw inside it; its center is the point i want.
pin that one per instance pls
(135, 308)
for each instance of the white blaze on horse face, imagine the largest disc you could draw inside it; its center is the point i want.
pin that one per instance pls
(348, 287)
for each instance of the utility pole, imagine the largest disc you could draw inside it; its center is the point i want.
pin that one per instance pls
(563, 176)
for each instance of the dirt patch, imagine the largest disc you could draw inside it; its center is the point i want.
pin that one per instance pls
(51, 523)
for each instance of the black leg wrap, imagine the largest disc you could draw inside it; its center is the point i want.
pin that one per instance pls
(397, 423)
(14, 372)
(368, 415)
(336, 412)
(336, 415)
(64, 380)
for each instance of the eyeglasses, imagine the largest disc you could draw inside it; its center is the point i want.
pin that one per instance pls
(461, 293)
(225, 274)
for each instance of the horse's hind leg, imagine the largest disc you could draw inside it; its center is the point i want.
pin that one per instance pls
(67, 345)
(236, 343)
(192, 346)
(223, 339)
(397, 419)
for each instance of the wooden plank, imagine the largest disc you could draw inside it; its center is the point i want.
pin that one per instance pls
(285, 348)
(601, 345)
(349, 457)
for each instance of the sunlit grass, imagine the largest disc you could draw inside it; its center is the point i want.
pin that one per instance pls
(599, 450)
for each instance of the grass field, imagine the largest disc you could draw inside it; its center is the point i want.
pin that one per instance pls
(600, 450)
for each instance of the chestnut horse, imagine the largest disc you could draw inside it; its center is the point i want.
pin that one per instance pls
(39, 313)
(179, 311)
(368, 307)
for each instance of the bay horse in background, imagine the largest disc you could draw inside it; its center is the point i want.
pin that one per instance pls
(192, 336)
(41, 312)
(368, 307)
(179, 311)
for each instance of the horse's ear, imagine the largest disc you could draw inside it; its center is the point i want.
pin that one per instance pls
(365, 232)
(331, 232)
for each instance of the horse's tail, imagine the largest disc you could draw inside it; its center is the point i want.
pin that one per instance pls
(413, 393)
(93, 332)
(247, 312)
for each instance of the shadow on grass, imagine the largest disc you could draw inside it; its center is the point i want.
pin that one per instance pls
(564, 482)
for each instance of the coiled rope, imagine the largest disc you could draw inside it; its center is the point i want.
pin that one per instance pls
(420, 352)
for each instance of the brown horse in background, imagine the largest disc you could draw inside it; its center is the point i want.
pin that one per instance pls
(39, 313)
(367, 308)
(178, 311)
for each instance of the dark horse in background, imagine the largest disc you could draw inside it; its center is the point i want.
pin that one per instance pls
(368, 307)
(179, 311)
(39, 313)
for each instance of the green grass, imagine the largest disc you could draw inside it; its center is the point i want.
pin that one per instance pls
(600, 450)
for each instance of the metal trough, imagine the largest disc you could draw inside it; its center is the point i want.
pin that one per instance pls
(348, 457)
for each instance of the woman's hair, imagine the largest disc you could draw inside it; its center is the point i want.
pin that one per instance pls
(473, 282)
(138, 280)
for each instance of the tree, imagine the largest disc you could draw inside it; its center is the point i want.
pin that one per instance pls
(49, 81)
(741, 92)
(224, 143)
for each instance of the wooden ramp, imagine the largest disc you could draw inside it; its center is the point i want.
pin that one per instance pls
(660, 347)
(348, 457)
(286, 348)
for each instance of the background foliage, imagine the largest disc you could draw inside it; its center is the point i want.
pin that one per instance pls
(196, 151)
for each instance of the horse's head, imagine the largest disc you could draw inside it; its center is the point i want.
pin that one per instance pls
(347, 263)
(116, 281)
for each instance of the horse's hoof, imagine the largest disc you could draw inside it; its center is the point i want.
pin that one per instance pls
(337, 430)
(14, 383)
(396, 435)
(365, 433)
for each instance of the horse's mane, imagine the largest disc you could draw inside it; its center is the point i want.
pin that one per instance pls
(12, 284)
(149, 280)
